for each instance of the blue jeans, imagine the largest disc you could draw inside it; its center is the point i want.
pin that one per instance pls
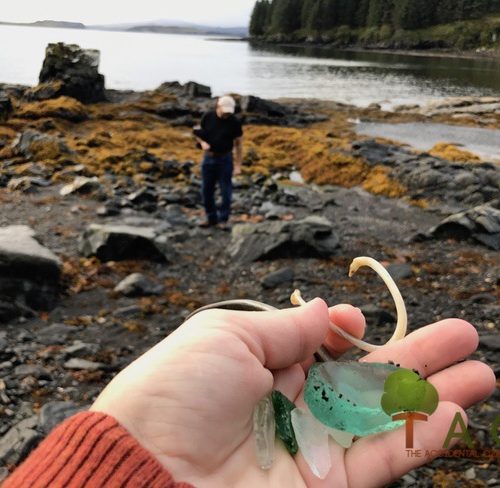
(217, 169)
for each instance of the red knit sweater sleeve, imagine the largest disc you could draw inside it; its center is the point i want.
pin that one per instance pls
(91, 449)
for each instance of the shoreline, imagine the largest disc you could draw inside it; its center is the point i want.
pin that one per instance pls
(425, 53)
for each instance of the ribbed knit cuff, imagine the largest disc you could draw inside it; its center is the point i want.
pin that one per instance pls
(91, 449)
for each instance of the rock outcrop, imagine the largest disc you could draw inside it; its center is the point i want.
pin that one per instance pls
(119, 241)
(481, 223)
(309, 237)
(34, 145)
(431, 178)
(61, 108)
(5, 105)
(77, 69)
(29, 273)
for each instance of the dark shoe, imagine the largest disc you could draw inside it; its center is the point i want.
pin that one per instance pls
(226, 226)
(205, 224)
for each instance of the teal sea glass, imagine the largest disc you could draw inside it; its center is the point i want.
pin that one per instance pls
(347, 396)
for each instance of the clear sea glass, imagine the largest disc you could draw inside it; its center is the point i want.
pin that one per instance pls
(312, 438)
(264, 428)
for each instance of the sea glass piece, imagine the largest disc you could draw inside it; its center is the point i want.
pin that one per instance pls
(312, 439)
(341, 437)
(347, 396)
(284, 429)
(264, 428)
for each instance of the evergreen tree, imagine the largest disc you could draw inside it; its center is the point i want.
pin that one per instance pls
(346, 12)
(414, 14)
(285, 17)
(257, 19)
(361, 14)
(329, 12)
(306, 12)
(314, 21)
(375, 13)
(288, 16)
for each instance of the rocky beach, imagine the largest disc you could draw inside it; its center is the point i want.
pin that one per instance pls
(101, 255)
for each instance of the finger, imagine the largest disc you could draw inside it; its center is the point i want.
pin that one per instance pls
(431, 348)
(384, 457)
(289, 381)
(285, 337)
(351, 320)
(465, 383)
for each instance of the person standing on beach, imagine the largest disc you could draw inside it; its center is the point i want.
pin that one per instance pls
(220, 133)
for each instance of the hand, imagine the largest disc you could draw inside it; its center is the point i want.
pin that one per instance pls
(237, 170)
(205, 145)
(190, 399)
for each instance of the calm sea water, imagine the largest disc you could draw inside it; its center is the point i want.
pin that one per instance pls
(142, 61)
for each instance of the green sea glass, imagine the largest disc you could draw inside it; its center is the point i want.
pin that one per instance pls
(347, 396)
(284, 429)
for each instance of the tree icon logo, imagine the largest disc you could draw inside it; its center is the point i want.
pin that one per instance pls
(408, 397)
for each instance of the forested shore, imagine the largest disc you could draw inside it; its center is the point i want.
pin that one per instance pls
(392, 24)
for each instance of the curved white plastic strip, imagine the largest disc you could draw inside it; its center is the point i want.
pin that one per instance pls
(402, 320)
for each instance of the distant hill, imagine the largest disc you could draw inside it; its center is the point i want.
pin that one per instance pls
(174, 27)
(58, 24)
(158, 27)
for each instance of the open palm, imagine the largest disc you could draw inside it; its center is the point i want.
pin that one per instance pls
(190, 399)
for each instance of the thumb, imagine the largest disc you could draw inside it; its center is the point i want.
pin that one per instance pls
(284, 337)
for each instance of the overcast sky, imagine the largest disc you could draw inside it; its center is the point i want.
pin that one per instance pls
(209, 12)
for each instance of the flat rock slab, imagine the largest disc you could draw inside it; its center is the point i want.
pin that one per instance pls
(19, 248)
(481, 223)
(19, 441)
(117, 242)
(310, 237)
(29, 272)
(136, 285)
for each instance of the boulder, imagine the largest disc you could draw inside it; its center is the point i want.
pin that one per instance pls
(432, 178)
(34, 145)
(252, 104)
(19, 441)
(77, 69)
(193, 89)
(136, 284)
(481, 223)
(310, 237)
(117, 241)
(276, 278)
(144, 199)
(63, 108)
(81, 184)
(44, 91)
(29, 272)
(27, 184)
(53, 413)
(5, 106)
(172, 110)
